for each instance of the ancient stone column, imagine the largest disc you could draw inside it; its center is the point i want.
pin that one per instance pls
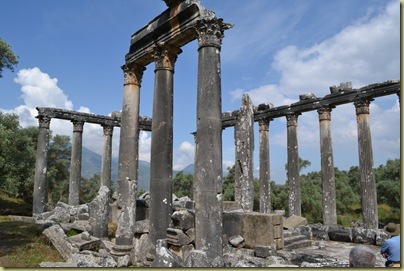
(161, 159)
(368, 183)
(128, 159)
(75, 163)
(129, 134)
(39, 196)
(244, 164)
(293, 166)
(264, 174)
(106, 156)
(327, 168)
(208, 150)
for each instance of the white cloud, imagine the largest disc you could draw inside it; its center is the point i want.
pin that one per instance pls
(144, 146)
(355, 54)
(185, 155)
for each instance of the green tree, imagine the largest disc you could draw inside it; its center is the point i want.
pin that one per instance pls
(311, 197)
(183, 185)
(7, 57)
(89, 188)
(57, 180)
(17, 157)
(388, 181)
(228, 184)
(279, 196)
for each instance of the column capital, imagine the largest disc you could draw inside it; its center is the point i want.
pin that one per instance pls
(291, 119)
(165, 56)
(132, 74)
(78, 126)
(108, 129)
(211, 32)
(44, 121)
(362, 106)
(264, 124)
(324, 113)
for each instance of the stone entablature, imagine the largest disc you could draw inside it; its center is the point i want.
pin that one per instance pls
(338, 96)
(114, 120)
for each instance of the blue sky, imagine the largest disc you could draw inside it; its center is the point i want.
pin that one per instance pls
(71, 53)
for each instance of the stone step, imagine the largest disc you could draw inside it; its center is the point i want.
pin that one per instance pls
(293, 239)
(298, 244)
(287, 233)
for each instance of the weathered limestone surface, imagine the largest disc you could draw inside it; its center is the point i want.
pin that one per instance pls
(75, 163)
(368, 183)
(294, 221)
(244, 164)
(264, 171)
(39, 196)
(106, 156)
(327, 168)
(161, 157)
(293, 166)
(99, 208)
(208, 149)
(60, 241)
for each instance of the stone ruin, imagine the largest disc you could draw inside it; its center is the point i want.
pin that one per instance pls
(251, 239)
(160, 230)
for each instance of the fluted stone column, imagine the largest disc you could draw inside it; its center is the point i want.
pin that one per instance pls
(368, 183)
(39, 196)
(208, 150)
(107, 156)
(293, 166)
(161, 160)
(75, 163)
(244, 165)
(327, 168)
(128, 159)
(264, 173)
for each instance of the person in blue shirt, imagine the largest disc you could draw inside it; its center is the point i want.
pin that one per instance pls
(391, 247)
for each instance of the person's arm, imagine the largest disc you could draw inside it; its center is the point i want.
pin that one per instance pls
(385, 249)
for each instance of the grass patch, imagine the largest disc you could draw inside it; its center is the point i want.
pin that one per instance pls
(13, 206)
(22, 244)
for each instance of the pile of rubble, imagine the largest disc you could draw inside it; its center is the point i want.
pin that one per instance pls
(328, 246)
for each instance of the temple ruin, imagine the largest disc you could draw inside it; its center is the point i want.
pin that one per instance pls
(160, 42)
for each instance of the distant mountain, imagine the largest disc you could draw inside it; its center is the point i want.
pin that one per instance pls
(91, 165)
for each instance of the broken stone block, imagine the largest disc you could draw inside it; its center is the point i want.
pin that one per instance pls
(142, 226)
(60, 241)
(237, 241)
(364, 236)
(164, 257)
(98, 214)
(294, 221)
(264, 251)
(123, 261)
(230, 206)
(257, 229)
(91, 259)
(191, 234)
(141, 247)
(197, 258)
(177, 237)
(340, 234)
(232, 224)
(319, 231)
(183, 220)
(88, 243)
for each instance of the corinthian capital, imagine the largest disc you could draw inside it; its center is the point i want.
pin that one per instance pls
(362, 106)
(44, 121)
(132, 74)
(324, 113)
(211, 32)
(78, 126)
(165, 56)
(291, 119)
